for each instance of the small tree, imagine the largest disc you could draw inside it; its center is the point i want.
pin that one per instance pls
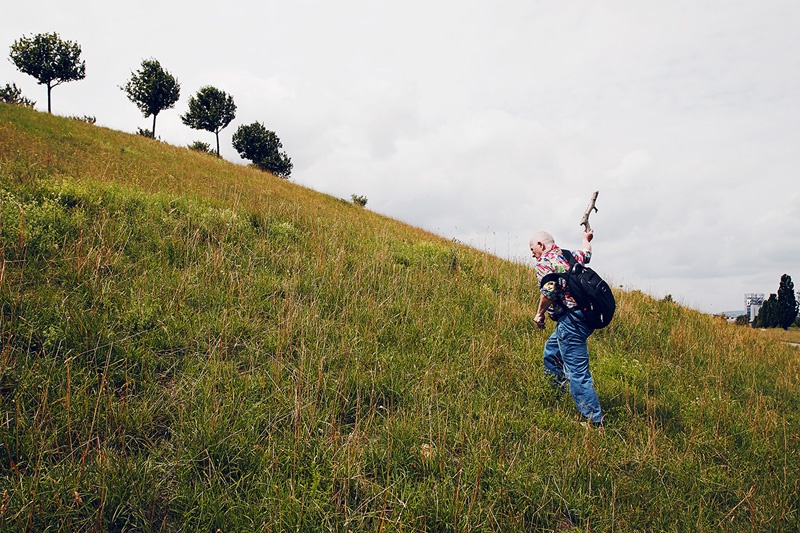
(48, 59)
(262, 147)
(787, 303)
(152, 89)
(11, 94)
(210, 110)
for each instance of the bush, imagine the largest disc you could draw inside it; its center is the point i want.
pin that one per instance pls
(11, 94)
(359, 200)
(145, 133)
(200, 146)
(85, 118)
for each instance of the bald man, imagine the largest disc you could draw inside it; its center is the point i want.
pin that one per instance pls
(566, 354)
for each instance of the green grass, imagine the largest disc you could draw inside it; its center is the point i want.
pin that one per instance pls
(190, 345)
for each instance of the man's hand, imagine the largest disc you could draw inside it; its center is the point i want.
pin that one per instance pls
(544, 304)
(588, 235)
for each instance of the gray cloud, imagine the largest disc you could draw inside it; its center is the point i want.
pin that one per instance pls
(485, 121)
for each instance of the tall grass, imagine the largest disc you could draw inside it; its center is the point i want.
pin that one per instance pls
(192, 345)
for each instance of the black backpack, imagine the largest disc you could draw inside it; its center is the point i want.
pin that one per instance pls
(590, 291)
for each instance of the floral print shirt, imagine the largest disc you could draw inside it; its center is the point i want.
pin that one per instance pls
(555, 291)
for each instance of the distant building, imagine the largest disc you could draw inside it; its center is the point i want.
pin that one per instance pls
(752, 305)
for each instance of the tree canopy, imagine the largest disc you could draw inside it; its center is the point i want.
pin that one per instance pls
(262, 147)
(48, 59)
(152, 89)
(768, 314)
(787, 302)
(211, 110)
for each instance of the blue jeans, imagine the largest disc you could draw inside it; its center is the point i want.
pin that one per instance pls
(566, 360)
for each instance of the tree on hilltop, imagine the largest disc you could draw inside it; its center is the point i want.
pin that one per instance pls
(48, 59)
(210, 110)
(152, 89)
(262, 147)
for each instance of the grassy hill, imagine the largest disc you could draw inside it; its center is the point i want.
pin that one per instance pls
(190, 345)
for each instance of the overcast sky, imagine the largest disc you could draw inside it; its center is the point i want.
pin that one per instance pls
(485, 121)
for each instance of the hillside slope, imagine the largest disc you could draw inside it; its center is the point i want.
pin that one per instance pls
(191, 345)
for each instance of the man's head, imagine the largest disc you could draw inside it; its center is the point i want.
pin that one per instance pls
(540, 243)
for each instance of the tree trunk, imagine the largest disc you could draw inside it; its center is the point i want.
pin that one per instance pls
(49, 88)
(217, 134)
(154, 124)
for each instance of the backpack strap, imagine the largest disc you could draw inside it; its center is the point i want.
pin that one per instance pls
(555, 276)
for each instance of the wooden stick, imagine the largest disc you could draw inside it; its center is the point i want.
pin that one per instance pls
(585, 220)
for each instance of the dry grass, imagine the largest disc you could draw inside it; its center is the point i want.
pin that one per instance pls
(782, 335)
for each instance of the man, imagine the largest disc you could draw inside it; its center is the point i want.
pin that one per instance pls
(566, 356)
